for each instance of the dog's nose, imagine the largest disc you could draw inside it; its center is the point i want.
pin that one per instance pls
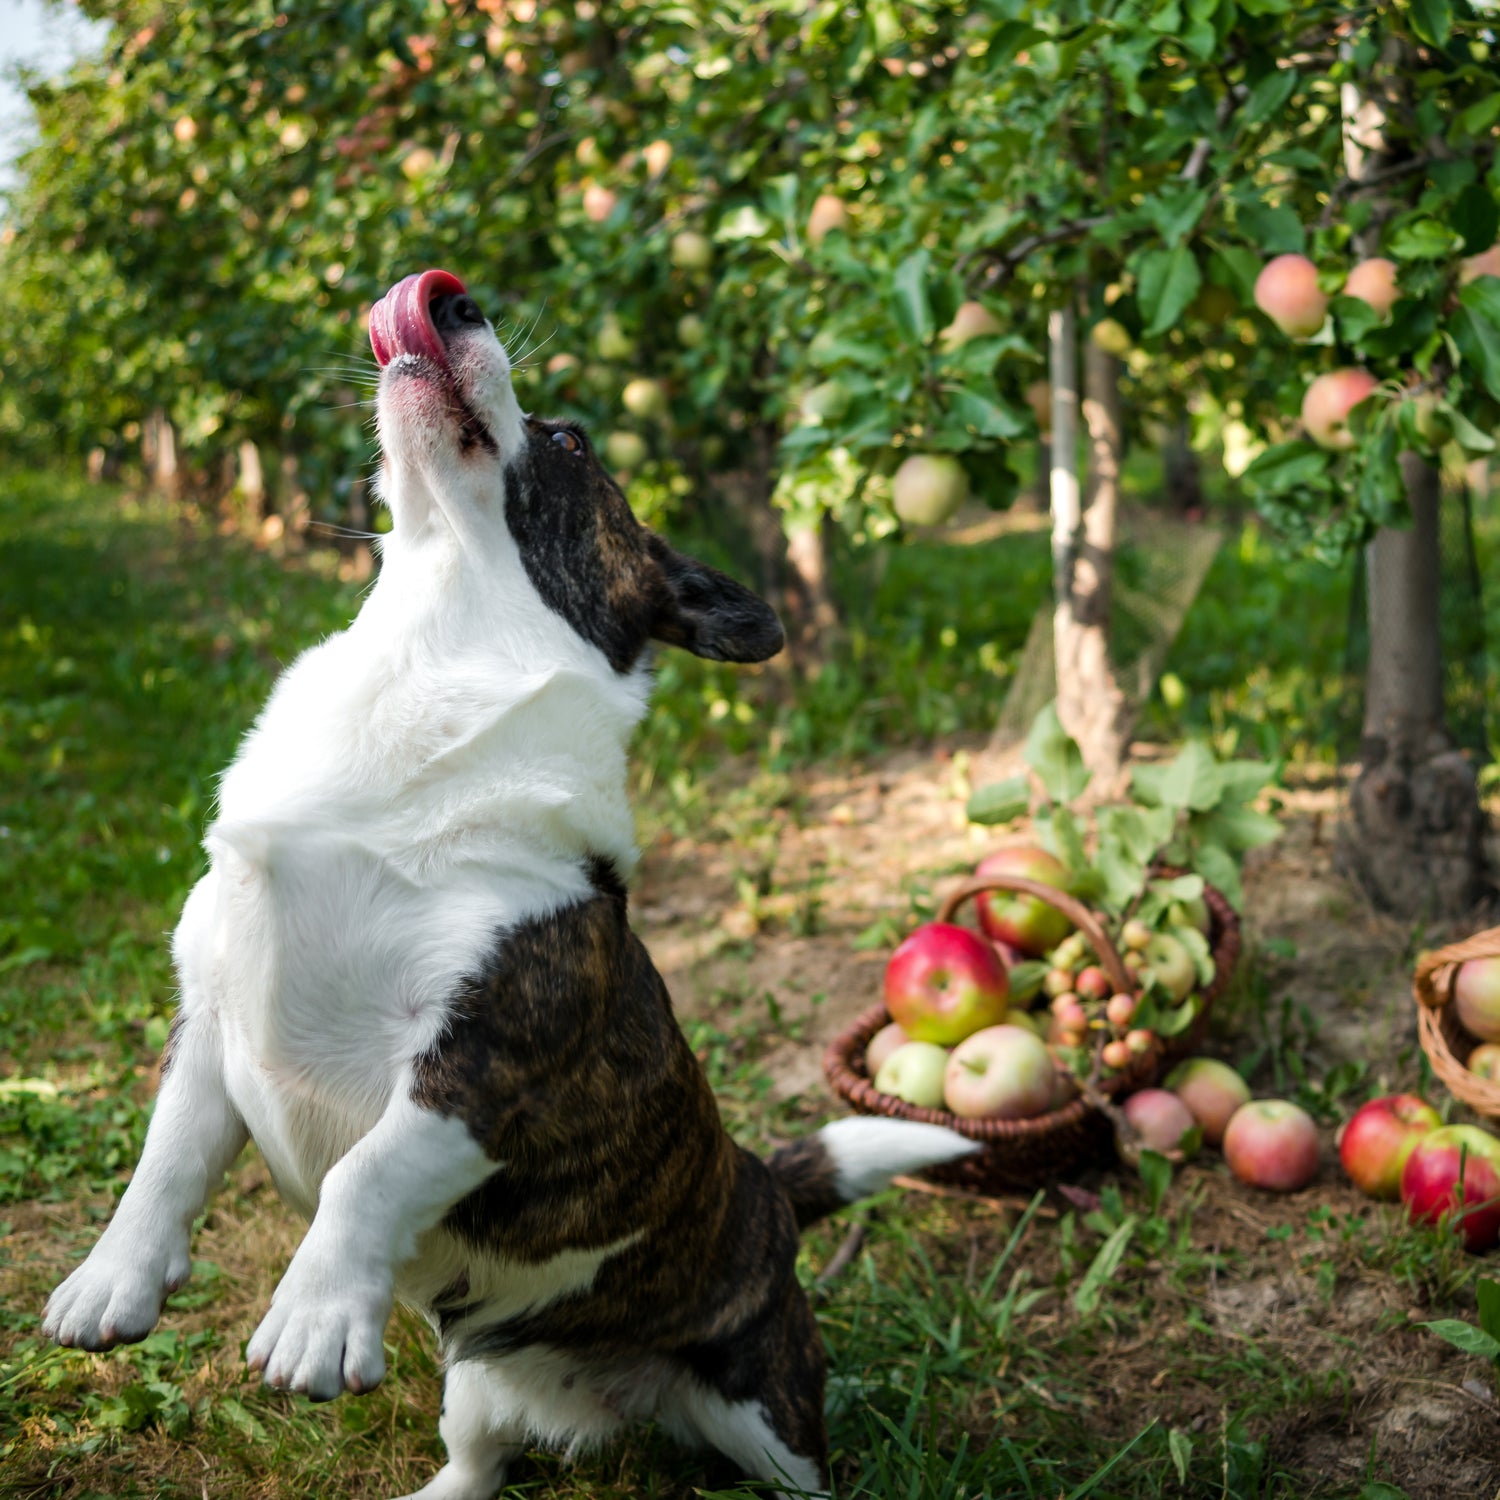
(451, 311)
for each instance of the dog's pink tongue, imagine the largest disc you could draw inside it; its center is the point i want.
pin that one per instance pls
(401, 322)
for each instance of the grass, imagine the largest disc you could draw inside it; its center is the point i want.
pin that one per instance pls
(1131, 1343)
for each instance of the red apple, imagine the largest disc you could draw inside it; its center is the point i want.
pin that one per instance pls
(599, 202)
(1379, 1137)
(1093, 983)
(1287, 292)
(1023, 921)
(915, 1073)
(973, 320)
(1328, 402)
(1454, 1174)
(828, 213)
(1374, 281)
(945, 983)
(1000, 1073)
(1270, 1143)
(1159, 1118)
(1212, 1091)
(1486, 263)
(882, 1044)
(1476, 994)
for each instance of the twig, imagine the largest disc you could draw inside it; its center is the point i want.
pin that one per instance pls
(1000, 1205)
(1350, 185)
(1004, 264)
(843, 1257)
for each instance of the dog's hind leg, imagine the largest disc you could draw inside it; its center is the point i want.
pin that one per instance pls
(481, 1436)
(758, 1399)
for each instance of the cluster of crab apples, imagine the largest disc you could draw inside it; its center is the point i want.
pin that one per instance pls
(1007, 1023)
(1398, 1147)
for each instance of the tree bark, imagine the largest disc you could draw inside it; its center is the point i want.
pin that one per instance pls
(1091, 705)
(163, 456)
(1414, 839)
(252, 482)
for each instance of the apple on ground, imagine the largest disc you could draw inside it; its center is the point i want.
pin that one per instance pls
(882, 1044)
(1000, 1073)
(1484, 1061)
(828, 213)
(1211, 1090)
(1374, 281)
(973, 320)
(1476, 994)
(1379, 1137)
(1328, 402)
(1287, 292)
(915, 1073)
(1453, 1174)
(1271, 1143)
(929, 488)
(1025, 922)
(1161, 1120)
(945, 983)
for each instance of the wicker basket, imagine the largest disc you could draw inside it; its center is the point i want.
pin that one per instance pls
(1443, 1038)
(1027, 1153)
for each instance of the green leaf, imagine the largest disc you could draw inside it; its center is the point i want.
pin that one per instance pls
(1052, 754)
(1355, 318)
(1069, 837)
(1026, 980)
(1423, 239)
(1268, 95)
(1103, 1267)
(1169, 280)
(744, 223)
(986, 417)
(1180, 1445)
(1236, 828)
(1432, 20)
(1288, 466)
(1175, 213)
(1476, 216)
(1156, 1177)
(1465, 433)
(1488, 1292)
(1000, 801)
(1276, 228)
(1193, 780)
(1221, 870)
(913, 307)
(1465, 1336)
(1478, 339)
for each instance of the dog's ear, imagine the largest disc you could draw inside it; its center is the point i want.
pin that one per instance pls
(705, 612)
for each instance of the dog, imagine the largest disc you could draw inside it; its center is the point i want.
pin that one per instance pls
(409, 977)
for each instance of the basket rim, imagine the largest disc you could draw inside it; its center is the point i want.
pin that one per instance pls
(1439, 1029)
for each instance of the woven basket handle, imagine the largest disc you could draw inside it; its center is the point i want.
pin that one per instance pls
(1080, 915)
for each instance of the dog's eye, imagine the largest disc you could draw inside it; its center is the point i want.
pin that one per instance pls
(569, 440)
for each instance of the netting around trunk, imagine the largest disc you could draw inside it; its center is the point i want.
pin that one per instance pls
(1469, 668)
(1160, 565)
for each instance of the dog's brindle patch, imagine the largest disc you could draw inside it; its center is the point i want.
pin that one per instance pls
(565, 1061)
(615, 582)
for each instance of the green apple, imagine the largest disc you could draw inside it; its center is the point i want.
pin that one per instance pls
(915, 1072)
(1170, 964)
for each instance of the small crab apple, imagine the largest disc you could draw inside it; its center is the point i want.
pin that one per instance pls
(1140, 1041)
(1093, 983)
(1120, 1009)
(1135, 934)
(1115, 1054)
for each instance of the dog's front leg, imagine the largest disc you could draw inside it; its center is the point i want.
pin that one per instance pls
(323, 1332)
(116, 1295)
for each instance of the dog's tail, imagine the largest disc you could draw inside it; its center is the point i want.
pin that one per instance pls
(850, 1159)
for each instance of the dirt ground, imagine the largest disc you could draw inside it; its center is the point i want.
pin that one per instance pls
(852, 860)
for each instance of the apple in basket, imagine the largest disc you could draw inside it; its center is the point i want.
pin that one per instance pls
(915, 1073)
(1379, 1137)
(1024, 922)
(1000, 1073)
(1476, 997)
(945, 983)
(1453, 1174)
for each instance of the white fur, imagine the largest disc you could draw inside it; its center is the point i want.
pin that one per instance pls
(867, 1151)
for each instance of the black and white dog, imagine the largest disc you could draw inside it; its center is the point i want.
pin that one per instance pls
(409, 978)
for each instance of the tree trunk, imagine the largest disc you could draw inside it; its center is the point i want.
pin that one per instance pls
(252, 482)
(1090, 702)
(1414, 839)
(812, 615)
(161, 457)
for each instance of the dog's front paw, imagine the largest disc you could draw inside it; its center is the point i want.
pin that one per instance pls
(116, 1295)
(323, 1332)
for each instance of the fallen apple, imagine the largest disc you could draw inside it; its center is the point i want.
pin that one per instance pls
(1161, 1120)
(1453, 1175)
(1379, 1137)
(945, 983)
(1211, 1090)
(882, 1044)
(1025, 922)
(1287, 292)
(1327, 404)
(928, 488)
(1271, 1143)
(1000, 1073)
(915, 1072)
(1476, 998)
